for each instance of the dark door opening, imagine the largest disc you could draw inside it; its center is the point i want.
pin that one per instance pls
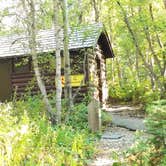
(5, 80)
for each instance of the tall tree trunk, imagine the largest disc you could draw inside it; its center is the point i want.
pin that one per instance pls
(148, 38)
(137, 65)
(80, 17)
(159, 40)
(148, 67)
(58, 82)
(119, 72)
(32, 44)
(136, 53)
(164, 1)
(96, 9)
(163, 68)
(152, 17)
(67, 70)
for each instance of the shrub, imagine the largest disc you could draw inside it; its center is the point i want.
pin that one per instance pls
(133, 91)
(156, 125)
(78, 118)
(27, 138)
(152, 151)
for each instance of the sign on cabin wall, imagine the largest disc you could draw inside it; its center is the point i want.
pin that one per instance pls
(76, 80)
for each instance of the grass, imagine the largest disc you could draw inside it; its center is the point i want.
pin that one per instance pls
(28, 138)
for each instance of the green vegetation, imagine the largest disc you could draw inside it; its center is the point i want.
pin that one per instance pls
(134, 92)
(137, 74)
(137, 31)
(152, 150)
(27, 137)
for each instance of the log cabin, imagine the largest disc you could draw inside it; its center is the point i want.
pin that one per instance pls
(89, 47)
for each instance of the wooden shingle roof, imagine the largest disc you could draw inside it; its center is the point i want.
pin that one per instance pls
(79, 37)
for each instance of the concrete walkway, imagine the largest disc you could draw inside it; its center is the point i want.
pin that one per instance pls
(131, 123)
(121, 116)
(119, 137)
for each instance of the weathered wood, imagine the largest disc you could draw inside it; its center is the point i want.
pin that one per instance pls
(97, 75)
(94, 116)
(94, 69)
(23, 83)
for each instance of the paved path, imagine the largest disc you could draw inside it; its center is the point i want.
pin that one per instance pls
(131, 123)
(119, 137)
(125, 116)
(114, 141)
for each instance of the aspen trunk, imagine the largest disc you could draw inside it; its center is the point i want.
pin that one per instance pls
(119, 72)
(32, 45)
(80, 17)
(150, 43)
(164, 1)
(58, 82)
(137, 65)
(134, 38)
(96, 10)
(67, 70)
(161, 45)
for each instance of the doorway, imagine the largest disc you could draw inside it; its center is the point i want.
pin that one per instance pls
(5, 80)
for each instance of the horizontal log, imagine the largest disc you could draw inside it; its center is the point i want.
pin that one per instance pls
(21, 75)
(19, 80)
(50, 87)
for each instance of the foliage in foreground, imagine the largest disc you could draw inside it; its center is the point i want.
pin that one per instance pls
(152, 151)
(27, 138)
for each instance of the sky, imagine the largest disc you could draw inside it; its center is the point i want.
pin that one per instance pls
(8, 21)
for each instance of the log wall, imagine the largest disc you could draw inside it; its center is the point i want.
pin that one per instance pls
(95, 78)
(25, 84)
(103, 77)
(97, 74)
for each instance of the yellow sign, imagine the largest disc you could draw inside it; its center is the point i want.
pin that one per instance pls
(76, 80)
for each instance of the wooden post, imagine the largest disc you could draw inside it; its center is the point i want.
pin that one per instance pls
(94, 116)
(94, 112)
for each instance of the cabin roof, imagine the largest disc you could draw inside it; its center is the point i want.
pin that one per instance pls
(79, 37)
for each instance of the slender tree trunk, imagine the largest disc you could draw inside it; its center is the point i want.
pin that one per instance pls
(152, 17)
(149, 40)
(111, 68)
(58, 82)
(95, 6)
(80, 17)
(159, 41)
(119, 72)
(150, 69)
(113, 71)
(137, 65)
(32, 45)
(164, 1)
(136, 53)
(67, 70)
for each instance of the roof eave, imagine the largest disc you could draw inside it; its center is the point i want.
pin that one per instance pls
(105, 44)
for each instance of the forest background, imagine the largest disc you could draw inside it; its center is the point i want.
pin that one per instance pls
(136, 29)
(137, 74)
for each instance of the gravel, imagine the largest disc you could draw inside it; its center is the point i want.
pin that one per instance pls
(118, 139)
(114, 142)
